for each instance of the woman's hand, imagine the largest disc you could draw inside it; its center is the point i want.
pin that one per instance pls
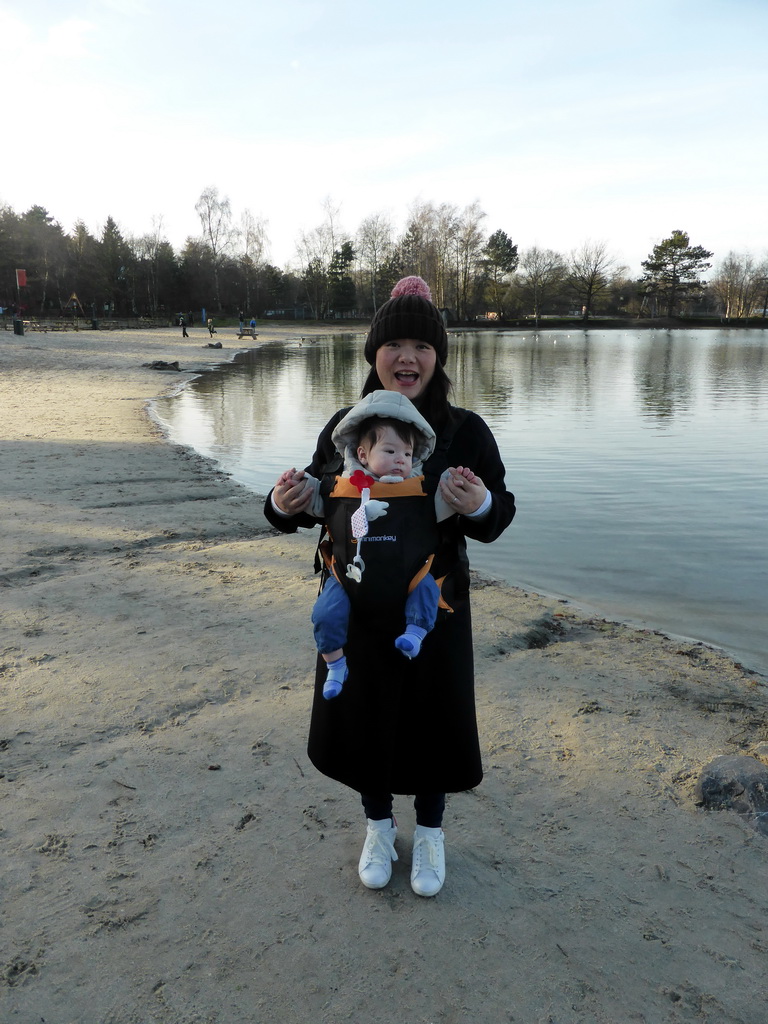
(463, 490)
(291, 494)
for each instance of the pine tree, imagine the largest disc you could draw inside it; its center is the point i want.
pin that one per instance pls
(500, 260)
(672, 271)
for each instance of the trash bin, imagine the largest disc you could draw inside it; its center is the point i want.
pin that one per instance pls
(18, 327)
(95, 324)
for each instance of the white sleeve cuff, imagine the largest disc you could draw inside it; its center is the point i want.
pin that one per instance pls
(276, 507)
(487, 502)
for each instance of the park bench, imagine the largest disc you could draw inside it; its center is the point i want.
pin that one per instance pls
(49, 325)
(248, 332)
(54, 325)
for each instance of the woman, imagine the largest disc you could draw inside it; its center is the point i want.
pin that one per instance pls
(409, 726)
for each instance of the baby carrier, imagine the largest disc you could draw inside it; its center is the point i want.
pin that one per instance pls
(398, 547)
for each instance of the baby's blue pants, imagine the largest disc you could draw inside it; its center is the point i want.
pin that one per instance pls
(330, 616)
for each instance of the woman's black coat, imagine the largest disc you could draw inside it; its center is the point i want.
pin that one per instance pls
(403, 726)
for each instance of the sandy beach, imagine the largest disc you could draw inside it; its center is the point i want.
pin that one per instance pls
(170, 856)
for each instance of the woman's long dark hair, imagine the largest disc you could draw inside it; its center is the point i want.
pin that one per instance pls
(433, 404)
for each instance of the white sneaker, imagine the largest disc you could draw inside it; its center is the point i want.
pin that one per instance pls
(375, 867)
(428, 868)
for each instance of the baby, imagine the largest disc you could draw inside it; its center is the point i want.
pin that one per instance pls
(385, 451)
(384, 439)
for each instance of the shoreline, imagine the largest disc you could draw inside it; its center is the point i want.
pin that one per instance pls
(354, 325)
(586, 609)
(751, 661)
(172, 856)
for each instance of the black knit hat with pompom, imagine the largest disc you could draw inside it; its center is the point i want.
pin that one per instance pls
(410, 313)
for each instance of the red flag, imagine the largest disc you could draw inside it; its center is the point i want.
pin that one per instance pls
(21, 279)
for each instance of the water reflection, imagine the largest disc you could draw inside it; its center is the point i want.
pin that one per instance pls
(638, 458)
(663, 377)
(734, 368)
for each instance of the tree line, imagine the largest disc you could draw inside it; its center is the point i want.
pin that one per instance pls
(473, 273)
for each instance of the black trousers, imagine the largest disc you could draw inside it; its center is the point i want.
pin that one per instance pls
(429, 807)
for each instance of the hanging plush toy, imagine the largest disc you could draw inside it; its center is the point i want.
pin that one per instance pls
(370, 509)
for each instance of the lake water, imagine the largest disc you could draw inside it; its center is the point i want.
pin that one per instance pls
(639, 460)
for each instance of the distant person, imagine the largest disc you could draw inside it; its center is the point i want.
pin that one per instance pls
(183, 323)
(253, 324)
(211, 328)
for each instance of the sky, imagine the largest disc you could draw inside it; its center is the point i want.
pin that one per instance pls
(616, 121)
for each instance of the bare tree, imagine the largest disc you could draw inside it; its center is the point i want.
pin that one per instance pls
(590, 270)
(444, 245)
(443, 234)
(540, 275)
(253, 245)
(740, 283)
(218, 234)
(316, 250)
(145, 251)
(428, 247)
(418, 248)
(374, 248)
(470, 243)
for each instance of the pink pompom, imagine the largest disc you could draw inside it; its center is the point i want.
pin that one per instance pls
(412, 286)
